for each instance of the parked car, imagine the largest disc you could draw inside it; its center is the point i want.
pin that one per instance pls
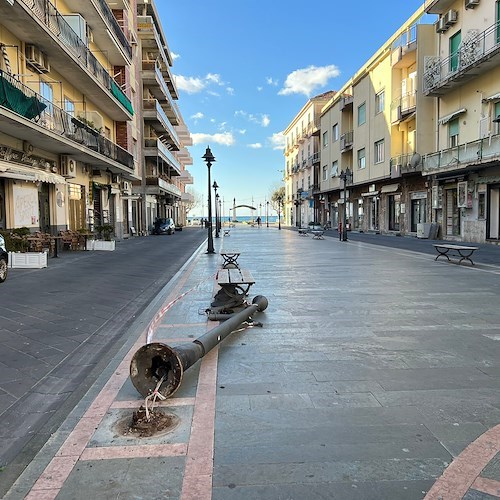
(4, 260)
(163, 226)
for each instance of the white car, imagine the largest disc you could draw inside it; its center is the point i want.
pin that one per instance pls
(4, 260)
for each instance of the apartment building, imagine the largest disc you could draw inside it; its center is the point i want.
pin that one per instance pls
(67, 123)
(410, 143)
(166, 137)
(302, 156)
(462, 75)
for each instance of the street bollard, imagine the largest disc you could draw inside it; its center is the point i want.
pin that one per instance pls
(155, 361)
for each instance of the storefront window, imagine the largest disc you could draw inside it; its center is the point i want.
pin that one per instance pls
(394, 211)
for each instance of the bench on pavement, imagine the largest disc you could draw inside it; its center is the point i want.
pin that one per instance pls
(234, 286)
(318, 234)
(462, 252)
(303, 231)
(230, 258)
(226, 232)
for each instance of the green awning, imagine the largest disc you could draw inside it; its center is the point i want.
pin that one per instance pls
(124, 100)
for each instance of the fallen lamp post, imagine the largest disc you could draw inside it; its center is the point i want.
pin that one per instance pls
(155, 362)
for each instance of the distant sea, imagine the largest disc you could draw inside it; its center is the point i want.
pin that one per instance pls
(239, 218)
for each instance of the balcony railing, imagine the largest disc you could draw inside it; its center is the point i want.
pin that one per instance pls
(402, 164)
(346, 140)
(27, 103)
(55, 22)
(472, 153)
(403, 106)
(113, 23)
(476, 48)
(150, 104)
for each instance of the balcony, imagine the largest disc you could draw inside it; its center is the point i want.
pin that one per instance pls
(187, 198)
(404, 48)
(105, 29)
(401, 165)
(154, 148)
(438, 6)
(346, 141)
(46, 126)
(478, 53)
(153, 78)
(44, 26)
(403, 107)
(186, 177)
(316, 158)
(154, 113)
(346, 101)
(477, 153)
(159, 186)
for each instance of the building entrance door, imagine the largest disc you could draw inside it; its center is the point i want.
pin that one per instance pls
(418, 213)
(493, 213)
(452, 213)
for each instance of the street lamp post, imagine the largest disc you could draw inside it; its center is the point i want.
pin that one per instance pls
(215, 186)
(209, 159)
(280, 201)
(346, 177)
(220, 215)
(267, 214)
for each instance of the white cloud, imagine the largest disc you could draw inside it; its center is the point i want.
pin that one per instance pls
(271, 81)
(307, 80)
(242, 131)
(230, 90)
(259, 88)
(189, 84)
(175, 56)
(225, 139)
(265, 120)
(197, 116)
(214, 78)
(262, 120)
(277, 140)
(256, 145)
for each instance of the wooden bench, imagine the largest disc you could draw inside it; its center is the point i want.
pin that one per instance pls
(226, 232)
(235, 282)
(303, 231)
(317, 234)
(230, 258)
(463, 252)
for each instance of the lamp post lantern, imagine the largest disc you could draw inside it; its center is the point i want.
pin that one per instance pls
(215, 186)
(346, 178)
(209, 159)
(267, 214)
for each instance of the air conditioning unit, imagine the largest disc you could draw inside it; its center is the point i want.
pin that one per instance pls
(470, 4)
(37, 59)
(450, 18)
(440, 25)
(68, 166)
(126, 186)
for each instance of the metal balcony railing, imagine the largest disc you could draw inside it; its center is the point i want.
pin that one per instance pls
(46, 12)
(346, 140)
(27, 103)
(476, 48)
(113, 23)
(403, 106)
(476, 152)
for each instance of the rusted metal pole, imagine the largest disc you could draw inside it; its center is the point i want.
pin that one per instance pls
(154, 361)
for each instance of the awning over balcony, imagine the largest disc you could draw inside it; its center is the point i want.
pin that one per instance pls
(370, 193)
(494, 97)
(29, 174)
(450, 117)
(390, 188)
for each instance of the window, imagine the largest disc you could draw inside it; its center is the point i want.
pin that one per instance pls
(361, 158)
(47, 93)
(335, 168)
(325, 173)
(325, 139)
(69, 106)
(379, 151)
(361, 114)
(453, 133)
(335, 132)
(455, 42)
(496, 114)
(379, 102)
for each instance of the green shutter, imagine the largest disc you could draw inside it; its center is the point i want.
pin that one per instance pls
(453, 127)
(455, 41)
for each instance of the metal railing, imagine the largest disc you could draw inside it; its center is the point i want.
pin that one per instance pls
(46, 12)
(477, 47)
(346, 140)
(62, 123)
(475, 152)
(113, 23)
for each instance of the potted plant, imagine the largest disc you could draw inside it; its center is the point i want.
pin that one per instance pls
(105, 242)
(17, 244)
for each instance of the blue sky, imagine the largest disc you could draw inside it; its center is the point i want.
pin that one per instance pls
(245, 68)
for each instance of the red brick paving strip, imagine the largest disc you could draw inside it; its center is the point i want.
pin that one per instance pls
(463, 471)
(488, 486)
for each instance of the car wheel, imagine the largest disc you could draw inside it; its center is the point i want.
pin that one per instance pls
(3, 269)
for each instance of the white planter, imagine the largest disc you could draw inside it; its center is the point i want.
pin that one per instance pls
(104, 245)
(27, 260)
(90, 244)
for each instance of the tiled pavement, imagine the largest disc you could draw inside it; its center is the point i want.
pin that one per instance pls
(375, 375)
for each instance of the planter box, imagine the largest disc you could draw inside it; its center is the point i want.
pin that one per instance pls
(104, 245)
(27, 260)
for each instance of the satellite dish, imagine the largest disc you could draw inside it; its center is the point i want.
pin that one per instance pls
(415, 160)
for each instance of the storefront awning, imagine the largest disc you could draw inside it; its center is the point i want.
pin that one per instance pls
(370, 193)
(29, 174)
(494, 97)
(449, 117)
(390, 188)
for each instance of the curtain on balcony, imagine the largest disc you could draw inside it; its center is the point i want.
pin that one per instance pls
(16, 100)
